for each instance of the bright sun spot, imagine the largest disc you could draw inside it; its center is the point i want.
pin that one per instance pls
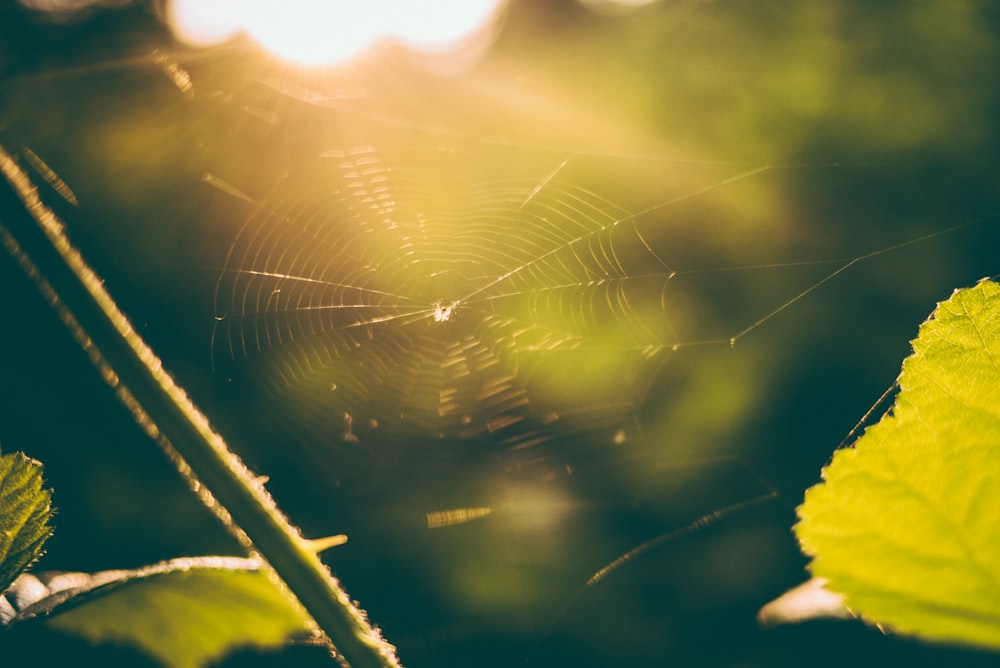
(327, 32)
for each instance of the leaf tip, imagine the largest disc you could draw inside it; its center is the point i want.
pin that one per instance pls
(809, 600)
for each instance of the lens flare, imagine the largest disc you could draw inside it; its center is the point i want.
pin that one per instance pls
(201, 23)
(328, 32)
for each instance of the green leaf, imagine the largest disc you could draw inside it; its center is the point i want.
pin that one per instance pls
(185, 612)
(906, 524)
(25, 508)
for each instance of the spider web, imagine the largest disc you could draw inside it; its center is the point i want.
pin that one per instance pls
(411, 299)
(415, 293)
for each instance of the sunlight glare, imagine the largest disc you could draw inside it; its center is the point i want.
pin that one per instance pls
(434, 26)
(327, 32)
(200, 23)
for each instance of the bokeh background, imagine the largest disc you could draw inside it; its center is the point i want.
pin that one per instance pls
(874, 126)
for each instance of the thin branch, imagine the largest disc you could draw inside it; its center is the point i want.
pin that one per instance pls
(34, 236)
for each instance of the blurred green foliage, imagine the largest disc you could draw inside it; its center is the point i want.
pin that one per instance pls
(871, 125)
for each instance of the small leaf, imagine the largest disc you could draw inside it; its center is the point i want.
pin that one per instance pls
(907, 523)
(25, 508)
(185, 612)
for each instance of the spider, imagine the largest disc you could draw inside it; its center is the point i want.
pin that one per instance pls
(442, 313)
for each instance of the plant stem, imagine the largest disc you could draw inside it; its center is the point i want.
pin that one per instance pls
(34, 237)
